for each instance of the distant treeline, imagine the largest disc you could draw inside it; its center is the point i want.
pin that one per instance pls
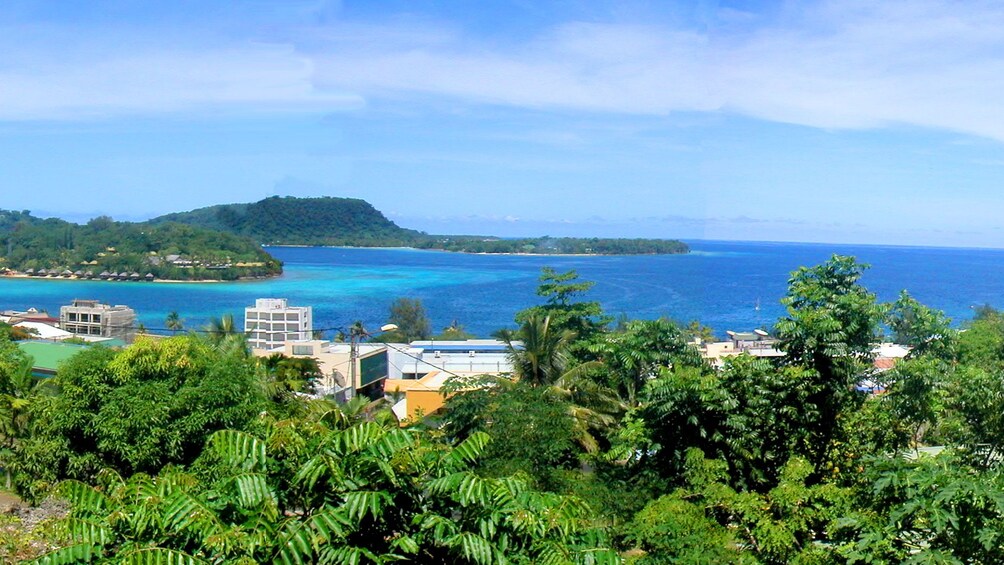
(555, 246)
(354, 222)
(167, 251)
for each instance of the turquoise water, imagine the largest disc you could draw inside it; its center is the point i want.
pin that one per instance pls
(721, 284)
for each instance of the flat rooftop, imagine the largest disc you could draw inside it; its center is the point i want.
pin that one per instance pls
(48, 356)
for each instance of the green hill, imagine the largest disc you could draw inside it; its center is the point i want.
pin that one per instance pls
(168, 251)
(350, 221)
(300, 221)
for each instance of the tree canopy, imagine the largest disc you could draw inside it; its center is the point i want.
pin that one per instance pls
(606, 444)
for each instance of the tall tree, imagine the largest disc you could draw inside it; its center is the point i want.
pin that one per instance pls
(924, 329)
(412, 322)
(135, 410)
(562, 292)
(637, 353)
(831, 328)
(539, 350)
(174, 322)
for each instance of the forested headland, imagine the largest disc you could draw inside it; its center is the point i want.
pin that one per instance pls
(353, 222)
(167, 251)
(609, 443)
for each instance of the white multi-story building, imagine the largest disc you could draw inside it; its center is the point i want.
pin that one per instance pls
(93, 319)
(272, 321)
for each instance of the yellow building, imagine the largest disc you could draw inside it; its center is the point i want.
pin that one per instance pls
(420, 398)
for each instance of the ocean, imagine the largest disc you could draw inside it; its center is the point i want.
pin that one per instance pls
(725, 285)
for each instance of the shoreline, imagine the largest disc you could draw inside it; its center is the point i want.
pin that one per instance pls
(158, 281)
(507, 253)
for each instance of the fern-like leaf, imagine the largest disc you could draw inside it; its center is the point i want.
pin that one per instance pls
(84, 498)
(159, 556)
(239, 450)
(70, 555)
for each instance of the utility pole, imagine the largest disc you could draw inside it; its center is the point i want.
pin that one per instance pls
(357, 332)
(353, 354)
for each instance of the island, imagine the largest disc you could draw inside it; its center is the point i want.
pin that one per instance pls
(353, 222)
(226, 242)
(103, 249)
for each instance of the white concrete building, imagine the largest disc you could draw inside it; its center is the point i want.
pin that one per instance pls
(90, 318)
(271, 322)
(466, 357)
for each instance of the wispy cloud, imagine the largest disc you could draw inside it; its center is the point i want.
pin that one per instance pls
(832, 65)
(101, 81)
(839, 64)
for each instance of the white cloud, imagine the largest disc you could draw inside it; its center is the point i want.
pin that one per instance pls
(840, 64)
(247, 77)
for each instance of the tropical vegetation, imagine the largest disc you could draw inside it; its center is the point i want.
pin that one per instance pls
(608, 443)
(353, 222)
(165, 251)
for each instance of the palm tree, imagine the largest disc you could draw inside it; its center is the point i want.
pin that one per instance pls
(174, 322)
(224, 325)
(542, 356)
(542, 360)
(223, 333)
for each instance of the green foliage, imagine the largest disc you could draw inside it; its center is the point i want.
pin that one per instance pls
(408, 314)
(915, 395)
(982, 344)
(539, 350)
(832, 320)
(174, 322)
(454, 332)
(349, 221)
(831, 328)
(299, 221)
(352, 492)
(291, 374)
(636, 354)
(190, 451)
(15, 333)
(925, 330)
(533, 429)
(562, 291)
(768, 419)
(683, 409)
(706, 521)
(933, 510)
(105, 245)
(136, 410)
(553, 246)
(974, 412)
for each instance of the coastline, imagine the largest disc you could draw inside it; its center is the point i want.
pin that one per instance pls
(506, 253)
(158, 281)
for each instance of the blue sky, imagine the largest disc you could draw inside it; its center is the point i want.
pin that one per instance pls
(794, 121)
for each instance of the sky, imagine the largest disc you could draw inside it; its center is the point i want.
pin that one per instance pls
(847, 121)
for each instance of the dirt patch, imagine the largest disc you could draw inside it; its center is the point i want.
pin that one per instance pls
(27, 532)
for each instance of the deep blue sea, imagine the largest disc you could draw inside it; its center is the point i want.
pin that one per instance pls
(719, 283)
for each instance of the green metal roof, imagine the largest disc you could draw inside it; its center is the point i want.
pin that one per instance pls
(48, 355)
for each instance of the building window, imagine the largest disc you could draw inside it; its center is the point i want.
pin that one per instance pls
(303, 350)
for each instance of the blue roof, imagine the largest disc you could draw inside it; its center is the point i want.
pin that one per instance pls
(465, 348)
